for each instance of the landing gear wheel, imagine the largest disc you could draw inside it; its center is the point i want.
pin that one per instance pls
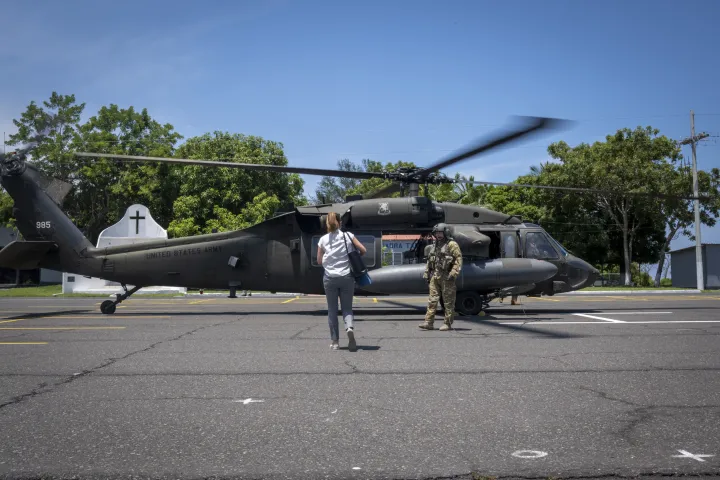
(107, 307)
(469, 303)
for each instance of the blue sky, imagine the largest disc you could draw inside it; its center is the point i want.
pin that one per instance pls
(387, 80)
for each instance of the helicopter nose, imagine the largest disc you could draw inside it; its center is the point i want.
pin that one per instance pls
(580, 273)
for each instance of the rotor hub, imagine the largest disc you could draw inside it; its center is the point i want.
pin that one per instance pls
(417, 175)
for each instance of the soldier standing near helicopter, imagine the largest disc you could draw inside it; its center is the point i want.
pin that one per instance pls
(442, 268)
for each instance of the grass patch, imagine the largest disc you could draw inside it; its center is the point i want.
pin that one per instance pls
(56, 290)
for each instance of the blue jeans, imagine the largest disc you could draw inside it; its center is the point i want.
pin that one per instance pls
(343, 287)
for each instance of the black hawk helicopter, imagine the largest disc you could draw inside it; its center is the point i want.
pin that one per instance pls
(502, 254)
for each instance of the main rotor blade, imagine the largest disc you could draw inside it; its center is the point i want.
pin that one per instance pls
(580, 189)
(536, 123)
(385, 191)
(247, 166)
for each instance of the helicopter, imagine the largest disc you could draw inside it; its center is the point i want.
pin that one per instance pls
(503, 255)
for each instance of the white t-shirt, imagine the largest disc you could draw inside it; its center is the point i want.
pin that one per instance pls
(335, 259)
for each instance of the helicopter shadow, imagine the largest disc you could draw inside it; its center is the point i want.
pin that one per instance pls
(58, 313)
(362, 347)
(406, 310)
(514, 328)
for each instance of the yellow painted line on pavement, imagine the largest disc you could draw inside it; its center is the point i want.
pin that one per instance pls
(8, 321)
(96, 317)
(23, 343)
(195, 302)
(291, 300)
(375, 300)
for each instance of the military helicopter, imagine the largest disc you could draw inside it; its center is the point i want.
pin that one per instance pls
(502, 254)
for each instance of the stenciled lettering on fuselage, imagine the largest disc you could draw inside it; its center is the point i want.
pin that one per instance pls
(182, 252)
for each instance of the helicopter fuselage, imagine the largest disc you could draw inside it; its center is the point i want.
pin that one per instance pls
(502, 255)
(279, 254)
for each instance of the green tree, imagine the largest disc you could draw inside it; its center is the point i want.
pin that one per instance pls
(527, 203)
(370, 186)
(6, 207)
(679, 214)
(628, 161)
(335, 189)
(47, 132)
(106, 188)
(103, 189)
(216, 197)
(469, 194)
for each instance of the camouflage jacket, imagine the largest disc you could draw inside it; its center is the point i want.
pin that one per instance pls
(444, 262)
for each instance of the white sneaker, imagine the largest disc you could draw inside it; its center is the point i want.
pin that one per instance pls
(334, 346)
(352, 346)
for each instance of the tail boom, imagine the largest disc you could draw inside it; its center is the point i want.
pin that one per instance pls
(50, 236)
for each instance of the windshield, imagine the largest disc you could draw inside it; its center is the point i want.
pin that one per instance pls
(562, 249)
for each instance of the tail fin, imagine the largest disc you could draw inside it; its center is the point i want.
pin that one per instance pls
(37, 206)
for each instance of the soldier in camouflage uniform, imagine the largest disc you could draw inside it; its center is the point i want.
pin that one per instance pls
(442, 268)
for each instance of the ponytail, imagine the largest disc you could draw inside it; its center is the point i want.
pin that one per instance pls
(333, 222)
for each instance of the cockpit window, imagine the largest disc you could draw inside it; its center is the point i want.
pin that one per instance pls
(562, 249)
(538, 246)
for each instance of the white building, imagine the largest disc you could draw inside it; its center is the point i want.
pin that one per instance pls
(137, 225)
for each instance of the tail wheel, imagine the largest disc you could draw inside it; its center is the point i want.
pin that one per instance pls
(469, 303)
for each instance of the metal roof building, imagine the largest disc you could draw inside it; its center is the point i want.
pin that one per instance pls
(684, 273)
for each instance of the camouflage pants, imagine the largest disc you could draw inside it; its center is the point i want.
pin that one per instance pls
(448, 290)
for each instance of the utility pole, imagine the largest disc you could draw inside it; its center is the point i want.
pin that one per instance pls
(698, 242)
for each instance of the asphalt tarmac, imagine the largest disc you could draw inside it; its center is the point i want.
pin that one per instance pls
(203, 387)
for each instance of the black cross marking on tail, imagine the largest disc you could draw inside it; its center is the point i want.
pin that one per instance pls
(137, 219)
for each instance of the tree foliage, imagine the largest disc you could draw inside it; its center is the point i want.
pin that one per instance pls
(335, 189)
(188, 199)
(105, 188)
(47, 132)
(679, 214)
(630, 161)
(218, 198)
(6, 206)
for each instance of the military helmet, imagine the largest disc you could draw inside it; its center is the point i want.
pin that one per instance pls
(444, 228)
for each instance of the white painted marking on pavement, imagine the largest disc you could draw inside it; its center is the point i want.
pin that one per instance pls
(543, 322)
(634, 313)
(599, 318)
(247, 400)
(690, 455)
(356, 468)
(678, 321)
(529, 454)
